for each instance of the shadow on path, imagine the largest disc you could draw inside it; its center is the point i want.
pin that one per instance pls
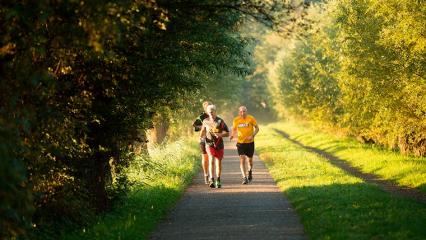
(258, 210)
(367, 177)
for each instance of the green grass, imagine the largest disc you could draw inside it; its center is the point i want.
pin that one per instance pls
(331, 203)
(160, 183)
(403, 170)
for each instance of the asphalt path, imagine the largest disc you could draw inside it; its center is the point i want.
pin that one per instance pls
(257, 210)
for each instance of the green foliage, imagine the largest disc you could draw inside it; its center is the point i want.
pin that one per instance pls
(158, 182)
(382, 82)
(357, 65)
(82, 81)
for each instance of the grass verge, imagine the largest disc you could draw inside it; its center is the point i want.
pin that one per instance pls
(331, 203)
(160, 182)
(403, 170)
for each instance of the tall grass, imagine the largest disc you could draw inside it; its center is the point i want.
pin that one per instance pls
(159, 181)
(331, 203)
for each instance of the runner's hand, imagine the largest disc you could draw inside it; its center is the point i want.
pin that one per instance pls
(216, 134)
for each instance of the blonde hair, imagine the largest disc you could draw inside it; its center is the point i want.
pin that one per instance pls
(205, 104)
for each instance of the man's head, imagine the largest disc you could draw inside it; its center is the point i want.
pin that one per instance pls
(211, 110)
(205, 104)
(242, 111)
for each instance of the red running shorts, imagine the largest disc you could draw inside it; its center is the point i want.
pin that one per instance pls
(217, 153)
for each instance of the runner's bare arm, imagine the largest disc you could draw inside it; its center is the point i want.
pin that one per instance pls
(223, 134)
(233, 132)
(203, 132)
(256, 130)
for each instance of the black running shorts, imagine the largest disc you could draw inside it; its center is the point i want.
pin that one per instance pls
(246, 149)
(203, 147)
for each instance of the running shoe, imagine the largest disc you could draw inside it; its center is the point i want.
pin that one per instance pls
(245, 180)
(211, 183)
(250, 176)
(218, 184)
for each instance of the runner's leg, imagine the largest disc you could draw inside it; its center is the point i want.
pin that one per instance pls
(243, 165)
(204, 161)
(250, 168)
(250, 163)
(205, 165)
(218, 183)
(211, 166)
(250, 152)
(218, 167)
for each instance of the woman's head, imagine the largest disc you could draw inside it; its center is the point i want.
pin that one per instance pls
(205, 104)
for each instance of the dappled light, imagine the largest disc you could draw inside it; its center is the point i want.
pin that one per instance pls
(98, 101)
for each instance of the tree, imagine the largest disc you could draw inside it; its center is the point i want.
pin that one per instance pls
(81, 81)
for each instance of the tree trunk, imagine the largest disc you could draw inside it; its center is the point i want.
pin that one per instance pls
(101, 169)
(140, 145)
(157, 134)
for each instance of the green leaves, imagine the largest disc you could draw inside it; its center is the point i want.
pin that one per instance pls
(82, 81)
(358, 65)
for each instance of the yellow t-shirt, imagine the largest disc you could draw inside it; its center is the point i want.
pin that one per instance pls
(245, 127)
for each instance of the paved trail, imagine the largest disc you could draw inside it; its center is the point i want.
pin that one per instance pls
(235, 211)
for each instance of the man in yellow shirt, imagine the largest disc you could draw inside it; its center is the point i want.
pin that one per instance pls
(246, 128)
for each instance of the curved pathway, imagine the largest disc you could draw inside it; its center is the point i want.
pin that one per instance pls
(255, 211)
